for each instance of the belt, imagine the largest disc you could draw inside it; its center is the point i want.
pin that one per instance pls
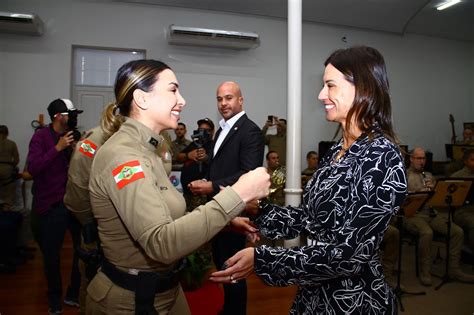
(145, 284)
(163, 281)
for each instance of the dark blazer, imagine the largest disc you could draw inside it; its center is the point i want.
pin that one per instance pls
(241, 151)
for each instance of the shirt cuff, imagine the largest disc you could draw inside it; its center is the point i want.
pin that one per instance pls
(230, 201)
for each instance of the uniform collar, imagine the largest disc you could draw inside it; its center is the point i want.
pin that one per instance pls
(148, 138)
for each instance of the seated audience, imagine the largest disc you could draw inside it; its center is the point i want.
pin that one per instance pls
(464, 217)
(467, 136)
(427, 220)
(278, 177)
(312, 160)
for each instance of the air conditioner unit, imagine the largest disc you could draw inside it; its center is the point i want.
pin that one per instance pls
(193, 36)
(20, 23)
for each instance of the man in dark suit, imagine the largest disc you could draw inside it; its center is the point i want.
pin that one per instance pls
(238, 148)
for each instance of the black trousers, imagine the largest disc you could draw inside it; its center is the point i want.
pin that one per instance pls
(225, 245)
(52, 227)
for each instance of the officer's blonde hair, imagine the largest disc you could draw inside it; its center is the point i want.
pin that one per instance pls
(111, 120)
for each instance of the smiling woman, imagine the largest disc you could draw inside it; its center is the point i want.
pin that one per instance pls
(140, 215)
(347, 204)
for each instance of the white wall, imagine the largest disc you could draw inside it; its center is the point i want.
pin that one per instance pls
(429, 77)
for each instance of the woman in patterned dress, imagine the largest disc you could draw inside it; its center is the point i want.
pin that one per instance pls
(347, 205)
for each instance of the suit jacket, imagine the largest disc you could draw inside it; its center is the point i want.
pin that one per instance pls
(241, 151)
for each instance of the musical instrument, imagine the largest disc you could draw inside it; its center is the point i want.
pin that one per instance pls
(453, 131)
(278, 179)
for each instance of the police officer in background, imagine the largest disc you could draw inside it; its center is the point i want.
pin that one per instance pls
(142, 227)
(77, 198)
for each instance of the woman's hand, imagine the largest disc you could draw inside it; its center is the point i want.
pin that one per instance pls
(253, 185)
(236, 268)
(253, 207)
(245, 226)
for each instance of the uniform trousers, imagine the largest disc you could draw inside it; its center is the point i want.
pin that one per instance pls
(49, 230)
(105, 297)
(423, 225)
(391, 239)
(464, 217)
(224, 245)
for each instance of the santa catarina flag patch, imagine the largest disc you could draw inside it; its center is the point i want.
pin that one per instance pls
(128, 173)
(88, 148)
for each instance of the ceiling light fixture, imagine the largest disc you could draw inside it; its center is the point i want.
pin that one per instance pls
(447, 4)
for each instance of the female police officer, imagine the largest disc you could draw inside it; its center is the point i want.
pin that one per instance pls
(140, 215)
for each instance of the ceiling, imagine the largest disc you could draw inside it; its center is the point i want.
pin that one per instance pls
(394, 16)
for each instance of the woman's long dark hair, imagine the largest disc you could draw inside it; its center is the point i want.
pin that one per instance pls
(365, 68)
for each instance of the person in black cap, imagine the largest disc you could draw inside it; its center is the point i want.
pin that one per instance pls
(195, 165)
(48, 162)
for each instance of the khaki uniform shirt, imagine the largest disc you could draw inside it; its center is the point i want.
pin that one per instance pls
(9, 158)
(464, 172)
(416, 183)
(77, 198)
(140, 214)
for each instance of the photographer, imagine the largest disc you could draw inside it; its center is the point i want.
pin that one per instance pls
(49, 153)
(276, 142)
(195, 165)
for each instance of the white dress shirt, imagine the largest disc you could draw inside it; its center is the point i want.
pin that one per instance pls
(226, 126)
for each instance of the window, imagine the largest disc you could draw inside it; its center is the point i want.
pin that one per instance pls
(98, 67)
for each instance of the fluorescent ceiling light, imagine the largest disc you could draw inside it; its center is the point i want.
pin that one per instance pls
(447, 4)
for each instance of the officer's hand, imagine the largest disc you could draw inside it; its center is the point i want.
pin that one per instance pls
(65, 141)
(253, 185)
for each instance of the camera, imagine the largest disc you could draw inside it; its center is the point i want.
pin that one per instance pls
(72, 126)
(201, 137)
(270, 118)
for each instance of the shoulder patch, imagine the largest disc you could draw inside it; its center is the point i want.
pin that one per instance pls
(88, 148)
(127, 173)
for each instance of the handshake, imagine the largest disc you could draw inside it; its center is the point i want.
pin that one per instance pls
(251, 186)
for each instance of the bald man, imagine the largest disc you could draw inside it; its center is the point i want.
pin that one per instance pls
(238, 148)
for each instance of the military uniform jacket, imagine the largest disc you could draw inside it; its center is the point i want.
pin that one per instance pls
(347, 206)
(140, 214)
(77, 197)
(8, 159)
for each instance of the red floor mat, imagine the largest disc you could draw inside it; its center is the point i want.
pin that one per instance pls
(207, 300)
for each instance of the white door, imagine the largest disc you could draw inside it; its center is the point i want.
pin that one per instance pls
(92, 100)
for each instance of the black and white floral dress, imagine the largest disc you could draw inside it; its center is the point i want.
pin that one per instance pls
(347, 206)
